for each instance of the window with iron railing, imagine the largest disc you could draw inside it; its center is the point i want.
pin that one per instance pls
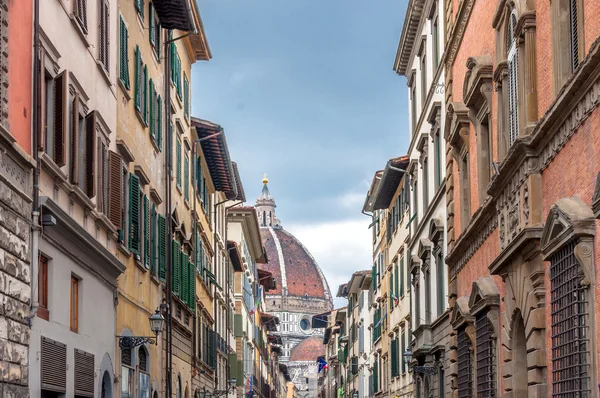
(485, 354)
(465, 371)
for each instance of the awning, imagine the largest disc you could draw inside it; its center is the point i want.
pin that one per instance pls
(269, 321)
(175, 14)
(235, 256)
(265, 278)
(319, 321)
(390, 179)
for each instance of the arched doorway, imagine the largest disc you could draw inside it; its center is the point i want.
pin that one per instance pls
(519, 356)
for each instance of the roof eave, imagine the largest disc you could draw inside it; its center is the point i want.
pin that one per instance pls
(175, 14)
(414, 10)
(390, 182)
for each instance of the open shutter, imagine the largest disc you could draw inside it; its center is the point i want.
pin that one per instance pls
(176, 274)
(152, 23)
(145, 88)
(159, 122)
(124, 54)
(178, 160)
(186, 97)
(138, 77)
(185, 278)
(90, 151)
(42, 117)
(74, 172)
(134, 214)
(170, 140)
(61, 92)
(101, 198)
(151, 105)
(146, 221)
(115, 183)
(162, 249)
(153, 243)
(105, 35)
(186, 178)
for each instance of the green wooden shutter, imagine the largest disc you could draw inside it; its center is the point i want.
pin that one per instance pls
(137, 96)
(146, 232)
(170, 140)
(159, 122)
(401, 277)
(139, 5)
(176, 274)
(152, 111)
(172, 56)
(185, 277)
(186, 178)
(192, 286)
(153, 243)
(392, 290)
(186, 97)
(152, 23)
(145, 88)
(396, 283)
(178, 165)
(134, 214)
(162, 249)
(124, 55)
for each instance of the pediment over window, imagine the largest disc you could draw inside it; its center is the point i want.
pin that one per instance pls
(424, 248)
(436, 231)
(461, 314)
(458, 125)
(175, 219)
(477, 86)
(484, 293)
(568, 218)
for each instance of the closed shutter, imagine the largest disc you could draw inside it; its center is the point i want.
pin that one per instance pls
(401, 291)
(102, 198)
(105, 35)
(42, 117)
(139, 5)
(74, 171)
(186, 178)
(145, 89)
(192, 280)
(159, 122)
(162, 249)
(574, 34)
(146, 221)
(185, 277)
(124, 55)
(80, 11)
(134, 214)
(115, 183)
(154, 252)
(53, 365)
(178, 160)
(394, 358)
(170, 140)
(152, 126)
(176, 274)
(152, 23)
(186, 97)
(138, 78)
(84, 374)
(90, 151)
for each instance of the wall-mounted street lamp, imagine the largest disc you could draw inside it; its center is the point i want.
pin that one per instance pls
(218, 393)
(156, 324)
(425, 370)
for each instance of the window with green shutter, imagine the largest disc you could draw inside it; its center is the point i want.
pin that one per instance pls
(138, 80)
(159, 123)
(134, 214)
(186, 97)
(394, 358)
(170, 140)
(146, 221)
(178, 160)
(124, 54)
(186, 179)
(139, 6)
(152, 23)
(162, 248)
(145, 89)
(153, 242)
(185, 277)
(391, 282)
(178, 75)
(401, 291)
(152, 109)
(396, 290)
(192, 286)
(176, 274)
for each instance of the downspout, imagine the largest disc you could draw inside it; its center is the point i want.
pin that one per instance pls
(215, 262)
(35, 214)
(195, 316)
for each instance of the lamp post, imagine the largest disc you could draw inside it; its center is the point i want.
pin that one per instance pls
(156, 325)
(424, 370)
(218, 393)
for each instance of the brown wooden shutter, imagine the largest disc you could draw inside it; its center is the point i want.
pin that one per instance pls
(53, 365)
(42, 118)
(101, 199)
(61, 91)
(84, 374)
(90, 154)
(105, 34)
(115, 185)
(74, 172)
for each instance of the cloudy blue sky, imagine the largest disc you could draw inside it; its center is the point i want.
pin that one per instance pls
(306, 93)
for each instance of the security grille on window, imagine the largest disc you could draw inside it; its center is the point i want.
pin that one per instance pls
(486, 383)
(465, 377)
(569, 312)
(513, 80)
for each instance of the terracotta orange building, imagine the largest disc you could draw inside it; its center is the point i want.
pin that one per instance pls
(523, 198)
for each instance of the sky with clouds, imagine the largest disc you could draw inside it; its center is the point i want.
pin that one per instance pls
(306, 93)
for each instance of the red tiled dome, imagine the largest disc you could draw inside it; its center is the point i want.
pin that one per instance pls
(300, 275)
(308, 350)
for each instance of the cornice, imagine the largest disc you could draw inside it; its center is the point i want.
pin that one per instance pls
(412, 20)
(458, 32)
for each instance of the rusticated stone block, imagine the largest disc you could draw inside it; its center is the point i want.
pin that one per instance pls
(535, 376)
(18, 332)
(13, 244)
(506, 369)
(14, 267)
(14, 288)
(536, 359)
(538, 391)
(14, 391)
(14, 309)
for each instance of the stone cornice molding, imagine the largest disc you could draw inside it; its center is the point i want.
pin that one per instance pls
(458, 31)
(458, 131)
(526, 21)
(484, 294)
(477, 85)
(412, 21)
(461, 313)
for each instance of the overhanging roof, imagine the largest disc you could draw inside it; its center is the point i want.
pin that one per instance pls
(235, 256)
(275, 339)
(265, 278)
(409, 35)
(217, 157)
(319, 321)
(360, 280)
(390, 179)
(342, 291)
(368, 205)
(175, 14)
(238, 183)
(269, 321)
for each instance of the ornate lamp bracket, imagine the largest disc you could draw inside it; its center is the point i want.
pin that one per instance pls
(129, 342)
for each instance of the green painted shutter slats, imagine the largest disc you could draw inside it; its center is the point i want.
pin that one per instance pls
(162, 248)
(398, 295)
(159, 122)
(178, 76)
(401, 291)
(186, 97)
(186, 179)
(145, 88)
(185, 276)
(146, 232)
(176, 274)
(170, 140)
(152, 23)
(152, 111)
(153, 243)
(137, 94)
(192, 279)
(178, 165)
(139, 6)
(134, 214)
(124, 55)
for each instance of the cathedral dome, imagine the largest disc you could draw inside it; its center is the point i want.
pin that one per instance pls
(308, 350)
(295, 270)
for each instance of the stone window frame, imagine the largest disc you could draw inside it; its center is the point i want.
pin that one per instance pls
(423, 72)
(563, 62)
(424, 254)
(477, 94)
(457, 135)
(412, 172)
(568, 220)
(436, 237)
(412, 93)
(435, 133)
(423, 148)
(415, 281)
(461, 318)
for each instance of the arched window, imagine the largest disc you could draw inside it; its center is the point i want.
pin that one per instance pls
(144, 367)
(106, 386)
(178, 392)
(512, 57)
(264, 218)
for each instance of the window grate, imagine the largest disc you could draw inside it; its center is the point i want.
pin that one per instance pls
(465, 378)
(486, 383)
(569, 312)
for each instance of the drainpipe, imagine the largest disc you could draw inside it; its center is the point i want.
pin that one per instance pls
(35, 214)
(215, 262)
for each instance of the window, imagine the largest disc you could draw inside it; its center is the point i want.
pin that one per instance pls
(186, 96)
(401, 291)
(141, 86)
(425, 183)
(465, 191)
(155, 31)
(127, 374)
(441, 296)
(437, 144)
(394, 353)
(417, 312)
(423, 78)
(415, 211)
(176, 69)
(486, 374)
(402, 349)
(186, 178)
(139, 6)
(427, 279)
(413, 107)
(103, 175)
(144, 367)
(134, 224)
(146, 225)
(465, 387)
(83, 148)
(104, 35)
(435, 33)
(55, 90)
(43, 288)
(124, 54)
(485, 157)
(74, 304)
(513, 80)
(80, 13)
(441, 382)
(178, 162)
(569, 321)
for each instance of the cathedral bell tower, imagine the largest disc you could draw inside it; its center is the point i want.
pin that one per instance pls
(265, 207)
